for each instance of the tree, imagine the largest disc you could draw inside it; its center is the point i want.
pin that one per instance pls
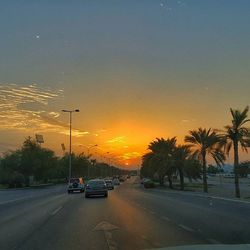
(10, 169)
(149, 166)
(206, 142)
(181, 156)
(244, 168)
(36, 161)
(237, 135)
(213, 169)
(192, 169)
(161, 158)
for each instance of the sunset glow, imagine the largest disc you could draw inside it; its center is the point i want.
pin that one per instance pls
(133, 80)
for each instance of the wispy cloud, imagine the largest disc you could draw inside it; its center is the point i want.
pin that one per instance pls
(130, 155)
(119, 139)
(25, 107)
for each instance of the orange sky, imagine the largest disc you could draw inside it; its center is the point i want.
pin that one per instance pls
(137, 70)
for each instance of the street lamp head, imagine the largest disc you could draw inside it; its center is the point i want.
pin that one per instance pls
(70, 111)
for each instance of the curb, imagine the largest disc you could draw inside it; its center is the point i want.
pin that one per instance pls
(204, 196)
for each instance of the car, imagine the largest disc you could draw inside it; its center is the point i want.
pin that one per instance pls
(122, 178)
(96, 187)
(116, 181)
(76, 184)
(144, 180)
(149, 184)
(109, 184)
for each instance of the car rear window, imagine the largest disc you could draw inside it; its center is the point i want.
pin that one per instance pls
(74, 180)
(96, 183)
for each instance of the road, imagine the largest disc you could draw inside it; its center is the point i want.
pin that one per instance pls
(130, 218)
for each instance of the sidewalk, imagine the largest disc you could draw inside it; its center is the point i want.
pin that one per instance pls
(217, 187)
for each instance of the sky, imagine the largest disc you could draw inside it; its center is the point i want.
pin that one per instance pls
(136, 69)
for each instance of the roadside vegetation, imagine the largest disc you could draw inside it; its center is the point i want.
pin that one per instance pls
(166, 159)
(33, 165)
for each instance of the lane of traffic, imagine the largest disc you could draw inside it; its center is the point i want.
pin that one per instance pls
(206, 217)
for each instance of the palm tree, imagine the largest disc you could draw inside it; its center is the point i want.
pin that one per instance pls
(206, 142)
(149, 165)
(163, 151)
(237, 134)
(181, 156)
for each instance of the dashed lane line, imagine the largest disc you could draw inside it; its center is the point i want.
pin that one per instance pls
(56, 211)
(165, 218)
(186, 228)
(213, 241)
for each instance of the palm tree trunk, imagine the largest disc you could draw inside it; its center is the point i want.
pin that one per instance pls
(236, 165)
(181, 179)
(161, 180)
(204, 170)
(170, 181)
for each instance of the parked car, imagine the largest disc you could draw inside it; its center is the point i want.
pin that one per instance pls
(122, 178)
(96, 187)
(116, 181)
(109, 184)
(149, 184)
(76, 184)
(144, 180)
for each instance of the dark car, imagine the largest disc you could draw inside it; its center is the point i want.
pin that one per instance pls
(96, 187)
(76, 184)
(122, 178)
(109, 184)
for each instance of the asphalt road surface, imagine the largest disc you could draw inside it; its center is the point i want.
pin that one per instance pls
(130, 218)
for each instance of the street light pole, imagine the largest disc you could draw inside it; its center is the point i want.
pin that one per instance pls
(70, 143)
(70, 137)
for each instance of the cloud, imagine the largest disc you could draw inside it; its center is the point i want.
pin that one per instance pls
(24, 107)
(131, 155)
(119, 139)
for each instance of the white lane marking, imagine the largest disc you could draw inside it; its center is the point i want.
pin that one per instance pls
(107, 228)
(186, 228)
(110, 242)
(56, 211)
(165, 218)
(213, 241)
(152, 212)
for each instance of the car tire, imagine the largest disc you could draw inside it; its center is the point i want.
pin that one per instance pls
(86, 196)
(106, 195)
(69, 191)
